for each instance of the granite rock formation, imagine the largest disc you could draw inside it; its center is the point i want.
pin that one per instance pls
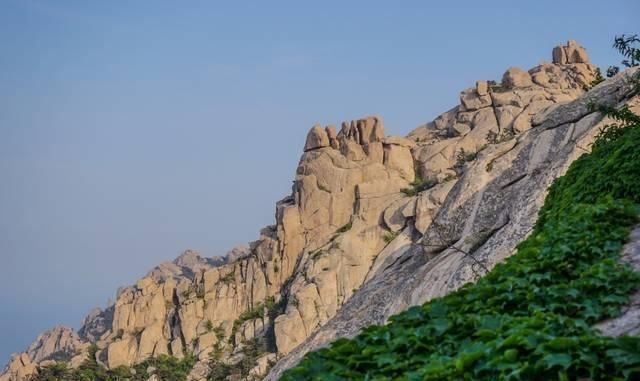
(373, 224)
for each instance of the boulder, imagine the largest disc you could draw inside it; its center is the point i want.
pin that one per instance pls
(506, 116)
(393, 216)
(461, 129)
(428, 203)
(482, 87)
(558, 55)
(151, 341)
(263, 363)
(516, 77)
(571, 53)
(399, 158)
(363, 131)
(333, 137)
(316, 138)
(471, 100)
(122, 352)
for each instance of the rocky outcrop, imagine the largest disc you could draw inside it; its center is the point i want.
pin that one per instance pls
(96, 324)
(59, 343)
(491, 112)
(20, 368)
(374, 224)
(489, 210)
(571, 53)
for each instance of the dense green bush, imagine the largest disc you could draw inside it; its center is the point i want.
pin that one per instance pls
(531, 317)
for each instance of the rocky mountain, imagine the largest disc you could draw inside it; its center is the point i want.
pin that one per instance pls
(374, 224)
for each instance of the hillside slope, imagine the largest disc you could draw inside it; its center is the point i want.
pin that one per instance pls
(374, 224)
(531, 316)
(488, 212)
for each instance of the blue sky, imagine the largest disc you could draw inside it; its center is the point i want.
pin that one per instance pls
(130, 131)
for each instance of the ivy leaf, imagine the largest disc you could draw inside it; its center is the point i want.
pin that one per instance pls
(440, 325)
(557, 359)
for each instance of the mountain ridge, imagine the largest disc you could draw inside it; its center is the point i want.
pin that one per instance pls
(363, 206)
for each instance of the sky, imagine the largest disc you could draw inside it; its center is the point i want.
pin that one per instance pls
(131, 131)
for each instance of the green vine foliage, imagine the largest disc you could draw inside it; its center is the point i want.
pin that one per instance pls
(530, 318)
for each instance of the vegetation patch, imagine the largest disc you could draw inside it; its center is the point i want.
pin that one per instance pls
(317, 254)
(390, 236)
(497, 138)
(419, 185)
(531, 317)
(229, 278)
(496, 87)
(165, 367)
(345, 228)
(462, 158)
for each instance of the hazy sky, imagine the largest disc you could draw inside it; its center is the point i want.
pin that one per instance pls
(130, 131)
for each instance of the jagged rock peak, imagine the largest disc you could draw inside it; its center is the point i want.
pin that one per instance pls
(360, 131)
(571, 53)
(58, 343)
(363, 131)
(96, 323)
(189, 258)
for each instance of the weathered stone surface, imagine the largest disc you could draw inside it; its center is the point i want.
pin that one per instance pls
(616, 90)
(347, 234)
(506, 115)
(571, 53)
(316, 138)
(398, 141)
(428, 203)
(352, 150)
(20, 368)
(152, 341)
(122, 352)
(394, 216)
(516, 77)
(522, 122)
(363, 131)
(491, 208)
(559, 56)
(399, 158)
(96, 324)
(60, 342)
(288, 332)
(200, 371)
(333, 137)
(461, 129)
(263, 363)
(482, 88)
(471, 100)
(445, 120)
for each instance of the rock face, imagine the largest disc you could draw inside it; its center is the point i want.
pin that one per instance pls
(374, 224)
(20, 367)
(59, 343)
(480, 219)
(571, 53)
